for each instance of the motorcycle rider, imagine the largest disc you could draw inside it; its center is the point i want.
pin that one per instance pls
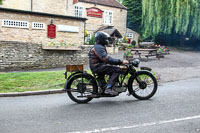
(101, 63)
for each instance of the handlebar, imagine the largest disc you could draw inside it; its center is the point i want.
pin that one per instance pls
(134, 63)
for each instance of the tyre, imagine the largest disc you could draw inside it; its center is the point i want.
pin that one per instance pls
(80, 87)
(142, 85)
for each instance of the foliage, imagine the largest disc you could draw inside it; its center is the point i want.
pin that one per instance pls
(162, 50)
(92, 40)
(134, 14)
(120, 1)
(1, 2)
(60, 43)
(133, 42)
(171, 16)
(85, 33)
(127, 53)
(125, 39)
(130, 46)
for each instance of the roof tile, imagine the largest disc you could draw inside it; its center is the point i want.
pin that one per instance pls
(112, 3)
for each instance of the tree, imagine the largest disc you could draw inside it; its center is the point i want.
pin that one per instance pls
(180, 18)
(0, 2)
(120, 1)
(134, 14)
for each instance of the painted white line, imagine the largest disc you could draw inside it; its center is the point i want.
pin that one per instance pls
(138, 125)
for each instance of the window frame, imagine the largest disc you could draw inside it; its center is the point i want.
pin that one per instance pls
(129, 35)
(41, 26)
(79, 10)
(15, 23)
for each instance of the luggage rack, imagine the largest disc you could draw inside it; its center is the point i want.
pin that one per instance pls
(74, 68)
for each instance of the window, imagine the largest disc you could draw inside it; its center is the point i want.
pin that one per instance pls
(36, 25)
(78, 11)
(15, 23)
(108, 17)
(129, 35)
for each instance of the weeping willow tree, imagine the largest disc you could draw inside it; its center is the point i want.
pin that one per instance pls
(167, 17)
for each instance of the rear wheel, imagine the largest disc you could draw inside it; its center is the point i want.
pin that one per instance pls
(80, 87)
(143, 86)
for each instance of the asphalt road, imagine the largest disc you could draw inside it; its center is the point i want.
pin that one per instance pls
(174, 109)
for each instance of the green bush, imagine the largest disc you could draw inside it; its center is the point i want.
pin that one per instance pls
(92, 40)
(133, 42)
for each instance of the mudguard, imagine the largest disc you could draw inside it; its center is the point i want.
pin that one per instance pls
(66, 86)
(67, 79)
(145, 68)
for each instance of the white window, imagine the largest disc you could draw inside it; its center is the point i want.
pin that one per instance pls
(15, 23)
(129, 35)
(36, 25)
(108, 17)
(87, 38)
(78, 11)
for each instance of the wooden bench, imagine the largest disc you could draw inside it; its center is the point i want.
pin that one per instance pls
(145, 52)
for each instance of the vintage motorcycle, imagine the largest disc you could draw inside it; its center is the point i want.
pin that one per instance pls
(82, 86)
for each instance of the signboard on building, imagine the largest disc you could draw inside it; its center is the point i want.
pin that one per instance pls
(67, 28)
(51, 31)
(94, 12)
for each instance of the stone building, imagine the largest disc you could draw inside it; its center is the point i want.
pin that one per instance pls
(132, 35)
(27, 25)
(97, 12)
(102, 13)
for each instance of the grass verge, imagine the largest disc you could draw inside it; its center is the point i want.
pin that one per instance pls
(33, 81)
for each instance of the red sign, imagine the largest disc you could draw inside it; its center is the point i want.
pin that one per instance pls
(75, 1)
(51, 31)
(94, 12)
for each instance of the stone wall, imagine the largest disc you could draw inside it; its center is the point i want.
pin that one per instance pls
(19, 4)
(20, 55)
(63, 7)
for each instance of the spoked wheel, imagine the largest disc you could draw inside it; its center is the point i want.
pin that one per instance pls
(80, 87)
(143, 86)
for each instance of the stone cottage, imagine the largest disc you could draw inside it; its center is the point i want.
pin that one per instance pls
(31, 24)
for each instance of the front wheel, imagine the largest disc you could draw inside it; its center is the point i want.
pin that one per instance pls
(80, 87)
(142, 85)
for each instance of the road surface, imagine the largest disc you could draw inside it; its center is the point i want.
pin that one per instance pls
(174, 109)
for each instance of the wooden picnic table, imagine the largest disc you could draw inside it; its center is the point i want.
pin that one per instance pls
(145, 52)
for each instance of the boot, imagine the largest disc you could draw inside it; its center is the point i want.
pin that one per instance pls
(110, 91)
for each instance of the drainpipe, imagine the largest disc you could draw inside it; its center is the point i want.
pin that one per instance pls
(84, 32)
(31, 5)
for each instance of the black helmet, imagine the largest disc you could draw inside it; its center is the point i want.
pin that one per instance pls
(102, 38)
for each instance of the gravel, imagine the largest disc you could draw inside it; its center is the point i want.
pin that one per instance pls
(177, 65)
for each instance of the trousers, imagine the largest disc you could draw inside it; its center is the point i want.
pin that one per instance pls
(112, 71)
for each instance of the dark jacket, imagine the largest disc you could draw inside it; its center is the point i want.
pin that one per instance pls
(98, 56)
